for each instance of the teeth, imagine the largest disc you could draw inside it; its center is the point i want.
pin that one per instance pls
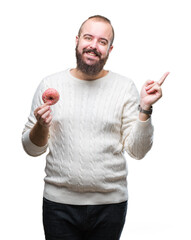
(92, 54)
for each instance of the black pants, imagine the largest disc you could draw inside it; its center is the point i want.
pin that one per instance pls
(83, 222)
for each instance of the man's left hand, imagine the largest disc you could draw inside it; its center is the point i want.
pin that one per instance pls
(151, 92)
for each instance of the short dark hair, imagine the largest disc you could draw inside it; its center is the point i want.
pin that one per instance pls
(100, 18)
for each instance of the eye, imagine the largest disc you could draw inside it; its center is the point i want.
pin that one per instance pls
(103, 42)
(88, 38)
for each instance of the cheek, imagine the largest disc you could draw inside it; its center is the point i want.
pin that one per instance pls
(81, 45)
(104, 51)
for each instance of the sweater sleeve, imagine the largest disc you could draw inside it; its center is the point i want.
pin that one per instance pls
(137, 136)
(29, 147)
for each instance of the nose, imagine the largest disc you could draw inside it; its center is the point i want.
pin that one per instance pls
(93, 44)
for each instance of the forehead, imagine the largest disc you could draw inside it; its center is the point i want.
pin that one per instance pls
(97, 28)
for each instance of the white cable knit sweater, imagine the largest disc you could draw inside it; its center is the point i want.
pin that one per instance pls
(94, 122)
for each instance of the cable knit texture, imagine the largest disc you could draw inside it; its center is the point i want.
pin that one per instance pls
(94, 122)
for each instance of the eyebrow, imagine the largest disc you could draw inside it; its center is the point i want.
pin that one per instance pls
(92, 36)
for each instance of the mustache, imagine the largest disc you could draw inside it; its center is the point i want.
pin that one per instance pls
(92, 50)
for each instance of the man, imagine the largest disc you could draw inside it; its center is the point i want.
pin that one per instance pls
(87, 132)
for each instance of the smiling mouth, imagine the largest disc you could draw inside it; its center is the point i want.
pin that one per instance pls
(92, 52)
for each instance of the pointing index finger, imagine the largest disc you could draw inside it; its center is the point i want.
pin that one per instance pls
(160, 82)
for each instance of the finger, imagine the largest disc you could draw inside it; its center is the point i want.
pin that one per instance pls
(45, 115)
(45, 119)
(149, 86)
(40, 107)
(44, 105)
(154, 89)
(40, 111)
(149, 82)
(48, 120)
(160, 82)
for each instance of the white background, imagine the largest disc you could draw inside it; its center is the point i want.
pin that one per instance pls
(152, 37)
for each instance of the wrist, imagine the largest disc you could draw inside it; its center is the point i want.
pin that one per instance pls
(42, 127)
(143, 117)
(146, 107)
(39, 135)
(145, 110)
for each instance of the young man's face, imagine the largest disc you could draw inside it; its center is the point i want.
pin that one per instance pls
(93, 45)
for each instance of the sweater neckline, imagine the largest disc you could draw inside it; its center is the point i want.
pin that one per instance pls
(77, 80)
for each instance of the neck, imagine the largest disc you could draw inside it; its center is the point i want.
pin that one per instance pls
(80, 75)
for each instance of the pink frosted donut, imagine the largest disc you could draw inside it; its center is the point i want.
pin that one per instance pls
(50, 96)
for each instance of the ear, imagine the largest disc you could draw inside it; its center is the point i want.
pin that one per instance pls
(110, 48)
(77, 40)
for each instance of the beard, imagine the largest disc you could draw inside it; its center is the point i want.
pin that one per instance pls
(90, 69)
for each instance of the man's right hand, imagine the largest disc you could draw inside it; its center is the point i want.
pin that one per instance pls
(40, 132)
(43, 115)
